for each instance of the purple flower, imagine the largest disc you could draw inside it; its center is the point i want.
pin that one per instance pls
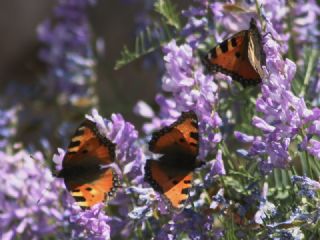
(243, 137)
(306, 185)
(275, 13)
(314, 148)
(283, 113)
(305, 24)
(196, 30)
(216, 167)
(143, 109)
(68, 53)
(90, 224)
(129, 155)
(203, 20)
(191, 90)
(29, 197)
(193, 224)
(146, 197)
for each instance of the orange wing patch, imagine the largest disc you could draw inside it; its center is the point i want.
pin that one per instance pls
(82, 170)
(175, 186)
(172, 174)
(94, 188)
(182, 136)
(88, 147)
(240, 57)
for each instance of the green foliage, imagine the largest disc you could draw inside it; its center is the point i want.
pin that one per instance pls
(301, 82)
(154, 36)
(169, 13)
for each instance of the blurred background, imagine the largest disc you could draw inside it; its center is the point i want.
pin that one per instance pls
(23, 74)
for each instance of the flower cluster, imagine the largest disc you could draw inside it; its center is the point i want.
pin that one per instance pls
(89, 224)
(228, 194)
(191, 90)
(284, 114)
(29, 196)
(68, 53)
(306, 19)
(195, 31)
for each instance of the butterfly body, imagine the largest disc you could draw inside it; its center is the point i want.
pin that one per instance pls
(82, 167)
(172, 174)
(77, 172)
(240, 56)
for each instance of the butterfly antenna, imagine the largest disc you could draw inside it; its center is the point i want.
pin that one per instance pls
(41, 197)
(54, 173)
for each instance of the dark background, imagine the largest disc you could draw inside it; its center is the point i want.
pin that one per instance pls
(115, 21)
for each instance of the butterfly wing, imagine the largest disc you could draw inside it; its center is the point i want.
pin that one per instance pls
(92, 187)
(172, 174)
(87, 182)
(88, 147)
(256, 54)
(181, 137)
(173, 184)
(232, 57)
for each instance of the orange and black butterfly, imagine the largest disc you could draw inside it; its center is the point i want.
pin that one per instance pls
(85, 178)
(172, 174)
(240, 56)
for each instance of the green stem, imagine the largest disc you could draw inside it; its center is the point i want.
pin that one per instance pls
(308, 164)
(309, 72)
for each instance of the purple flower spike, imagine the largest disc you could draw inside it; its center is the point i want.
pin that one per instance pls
(68, 53)
(194, 30)
(306, 16)
(191, 90)
(283, 113)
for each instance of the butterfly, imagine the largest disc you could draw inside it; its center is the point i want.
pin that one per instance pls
(240, 56)
(172, 174)
(84, 177)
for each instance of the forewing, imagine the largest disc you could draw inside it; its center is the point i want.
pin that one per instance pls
(179, 138)
(231, 58)
(89, 147)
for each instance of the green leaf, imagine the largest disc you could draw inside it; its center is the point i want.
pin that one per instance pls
(145, 43)
(304, 73)
(154, 36)
(169, 12)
